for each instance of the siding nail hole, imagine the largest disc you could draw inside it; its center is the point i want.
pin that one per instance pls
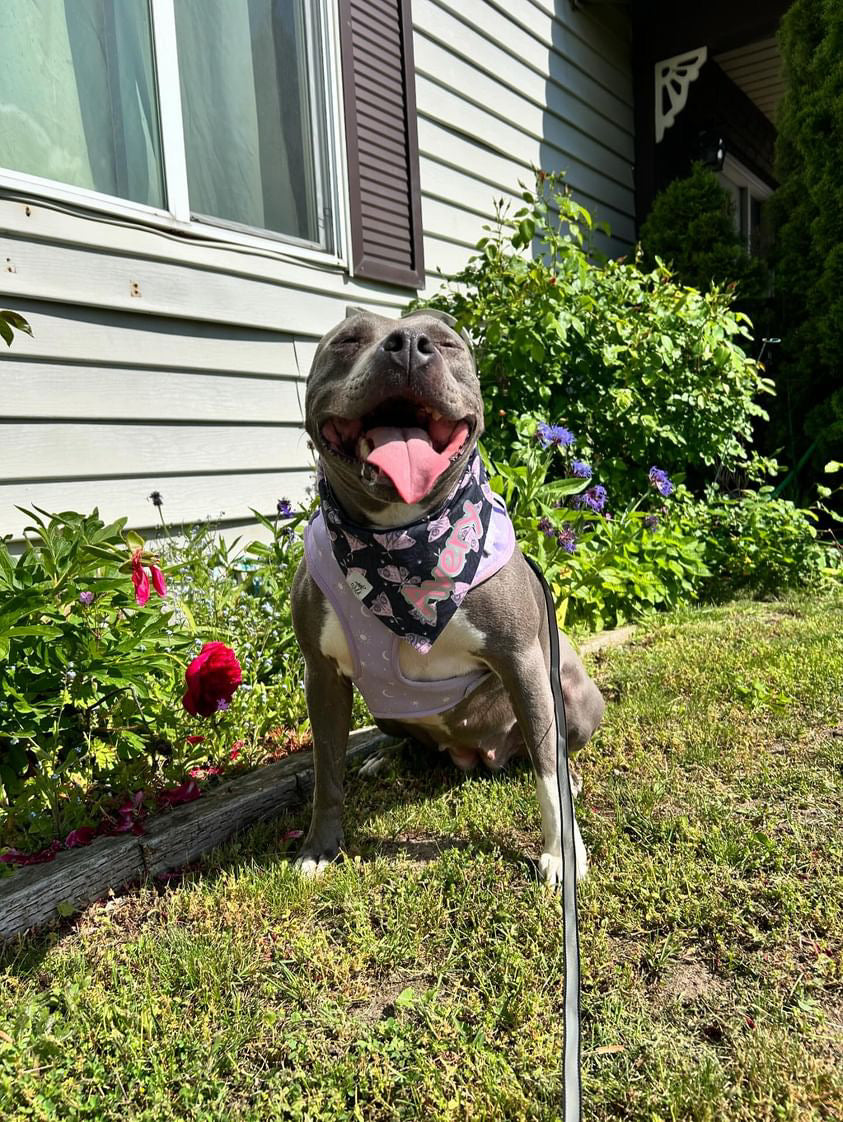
(134, 289)
(27, 210)
(10, 265)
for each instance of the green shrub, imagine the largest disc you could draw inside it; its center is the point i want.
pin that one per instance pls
(691, 228)
(604, 567)
(651, 371)
(757, 543)
(87, 675)
(92, 726)
(807, 211)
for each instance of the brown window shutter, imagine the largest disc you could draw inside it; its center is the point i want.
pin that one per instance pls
(382, 141)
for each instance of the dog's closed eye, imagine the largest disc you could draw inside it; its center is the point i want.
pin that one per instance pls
(346, 341)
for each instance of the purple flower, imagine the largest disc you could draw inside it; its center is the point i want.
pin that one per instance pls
(86, 598)
(651, 521)
(222, 705)
(566, 539)
(580, 470)
(548, 435)
(592, 499)
(660, 480)
(285, 509)
(547, 527)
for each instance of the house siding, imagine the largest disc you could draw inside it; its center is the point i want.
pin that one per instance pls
(165, 363)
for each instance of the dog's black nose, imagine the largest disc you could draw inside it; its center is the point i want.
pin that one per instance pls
(409, 349)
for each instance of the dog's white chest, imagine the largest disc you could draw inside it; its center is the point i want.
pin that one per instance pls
(454, 653)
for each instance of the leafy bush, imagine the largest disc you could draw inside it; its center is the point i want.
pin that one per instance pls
(604, 568)
(86, 672)
(757, 543)
(651, 370)
(691, 228)
(809, 237)
(92, 664)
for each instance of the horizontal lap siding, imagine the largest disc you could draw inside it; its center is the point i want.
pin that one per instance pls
(504, 86)
(193, 386)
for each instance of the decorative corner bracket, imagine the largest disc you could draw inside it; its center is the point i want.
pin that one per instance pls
(673, 77)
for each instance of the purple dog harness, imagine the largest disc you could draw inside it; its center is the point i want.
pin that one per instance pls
(374, 648)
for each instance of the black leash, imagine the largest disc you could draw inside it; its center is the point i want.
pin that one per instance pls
(572, 1110)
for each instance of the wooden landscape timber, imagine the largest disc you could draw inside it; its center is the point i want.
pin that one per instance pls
(38, 894)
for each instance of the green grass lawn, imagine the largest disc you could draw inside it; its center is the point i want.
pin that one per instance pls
(422, 978)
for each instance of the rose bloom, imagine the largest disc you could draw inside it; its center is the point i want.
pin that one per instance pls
(211, 678)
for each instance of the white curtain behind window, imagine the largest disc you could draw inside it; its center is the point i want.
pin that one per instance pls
(77, 100)
(247, 132)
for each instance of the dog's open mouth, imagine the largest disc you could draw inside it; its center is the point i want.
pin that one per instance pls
(411, 444)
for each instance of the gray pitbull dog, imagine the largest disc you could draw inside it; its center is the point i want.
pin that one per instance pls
(372, 370)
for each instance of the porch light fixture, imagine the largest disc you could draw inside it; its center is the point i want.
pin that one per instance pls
(712, 149)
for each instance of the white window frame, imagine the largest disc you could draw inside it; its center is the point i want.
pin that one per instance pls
(176, 217)
(736, 176)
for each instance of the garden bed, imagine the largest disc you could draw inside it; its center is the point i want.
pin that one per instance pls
(38, 894)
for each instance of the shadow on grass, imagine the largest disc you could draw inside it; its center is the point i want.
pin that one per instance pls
(414, 774)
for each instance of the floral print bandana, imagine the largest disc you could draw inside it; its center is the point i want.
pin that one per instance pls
(413, 578)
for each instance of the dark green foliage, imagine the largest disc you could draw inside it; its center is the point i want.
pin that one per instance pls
(10, 322)
(86, 675)
(648, 370)
(757, 543)
(691, 228)
(808, 215)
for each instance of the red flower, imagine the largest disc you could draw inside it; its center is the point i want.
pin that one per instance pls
(140, 579)
(127, 817)
(235, 749)
(15, 857)
(194, 739)
(211, 680)
(185, 793)
(83, 835)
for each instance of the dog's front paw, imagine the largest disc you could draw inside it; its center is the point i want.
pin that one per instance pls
(551, 866)
(312, 863)
(321, 848)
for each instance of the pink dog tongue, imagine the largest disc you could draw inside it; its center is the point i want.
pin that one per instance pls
(410, 460)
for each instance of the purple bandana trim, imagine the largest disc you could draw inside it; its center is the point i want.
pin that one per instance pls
(413, 578)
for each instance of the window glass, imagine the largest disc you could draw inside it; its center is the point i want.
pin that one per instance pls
(252, 132)
(77, 95)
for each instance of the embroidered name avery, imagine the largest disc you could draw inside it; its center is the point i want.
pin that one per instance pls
(464, 538)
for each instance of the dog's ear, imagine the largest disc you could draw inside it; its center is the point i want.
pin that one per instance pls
(355, 310)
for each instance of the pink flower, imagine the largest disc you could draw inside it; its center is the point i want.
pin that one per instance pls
(140, 579)
(83, 835)
(211, 678)
(235, 749)
(292, 835)
(158, 581)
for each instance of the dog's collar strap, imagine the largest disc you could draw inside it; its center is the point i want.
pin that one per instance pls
(415, 577)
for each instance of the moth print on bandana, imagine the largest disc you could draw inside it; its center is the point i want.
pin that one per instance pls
(415, 577)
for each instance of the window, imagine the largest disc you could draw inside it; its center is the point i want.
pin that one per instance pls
(251, 130)
(747, 192)
(85, 100)
(77, 96)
